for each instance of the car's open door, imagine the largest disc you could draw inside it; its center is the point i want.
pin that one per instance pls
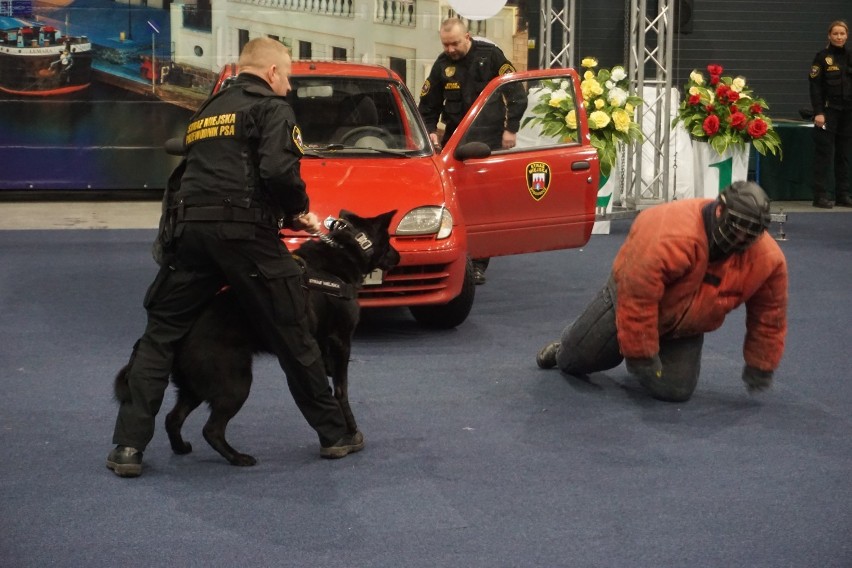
(539, 195)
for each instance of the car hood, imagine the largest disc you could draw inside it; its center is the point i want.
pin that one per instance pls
(370, 186)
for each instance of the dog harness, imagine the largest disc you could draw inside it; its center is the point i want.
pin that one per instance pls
(329, 283)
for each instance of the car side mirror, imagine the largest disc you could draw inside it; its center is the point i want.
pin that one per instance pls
(472, 150)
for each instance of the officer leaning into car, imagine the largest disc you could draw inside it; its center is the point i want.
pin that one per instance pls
(831, 99)
(239, 179)
(457, 78)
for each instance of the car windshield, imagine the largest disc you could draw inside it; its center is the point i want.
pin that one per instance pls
(357, 116)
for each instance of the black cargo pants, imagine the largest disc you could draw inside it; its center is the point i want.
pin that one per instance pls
(267, 281)
(590, 344)
(832, 147)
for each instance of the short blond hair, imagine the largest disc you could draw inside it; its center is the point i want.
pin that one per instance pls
(261, 53)
(451, 24)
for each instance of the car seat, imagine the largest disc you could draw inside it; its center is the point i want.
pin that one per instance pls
(355, 111)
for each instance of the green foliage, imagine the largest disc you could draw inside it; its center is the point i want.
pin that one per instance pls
(724, 112)
(609, 106)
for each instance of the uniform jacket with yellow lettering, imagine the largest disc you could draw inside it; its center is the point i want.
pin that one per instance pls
(244, 148)
(666, 285)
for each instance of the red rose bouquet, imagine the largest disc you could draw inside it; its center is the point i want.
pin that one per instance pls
(723, 112)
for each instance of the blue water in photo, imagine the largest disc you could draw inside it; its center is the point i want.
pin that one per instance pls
(103, 138)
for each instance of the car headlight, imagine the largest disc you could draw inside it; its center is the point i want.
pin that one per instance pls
(427, 221)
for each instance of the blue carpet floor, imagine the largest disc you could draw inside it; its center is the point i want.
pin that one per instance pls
(474, 458)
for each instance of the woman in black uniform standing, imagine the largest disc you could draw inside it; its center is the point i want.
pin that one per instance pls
(831, 99)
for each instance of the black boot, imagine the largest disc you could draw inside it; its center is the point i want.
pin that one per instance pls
(546, 358)
(479, 266)
(125, 461)
(346, 445)
(843, 200)
(823, 202)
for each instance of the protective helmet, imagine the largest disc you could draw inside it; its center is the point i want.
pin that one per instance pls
(745, 216)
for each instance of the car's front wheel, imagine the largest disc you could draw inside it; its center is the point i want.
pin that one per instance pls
(454, 312)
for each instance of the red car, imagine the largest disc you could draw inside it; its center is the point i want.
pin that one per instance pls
(367, 150)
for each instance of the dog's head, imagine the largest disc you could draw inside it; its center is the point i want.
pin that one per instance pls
(370, 234)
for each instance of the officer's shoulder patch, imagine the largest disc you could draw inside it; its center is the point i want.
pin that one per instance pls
(815, 71)
(506, 68)
(424, 90)
(297, 139)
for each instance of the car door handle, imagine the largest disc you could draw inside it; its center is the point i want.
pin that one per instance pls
(580, 166)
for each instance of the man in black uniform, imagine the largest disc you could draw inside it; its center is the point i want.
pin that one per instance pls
(241, 179)
(831, 98)
(457, 78)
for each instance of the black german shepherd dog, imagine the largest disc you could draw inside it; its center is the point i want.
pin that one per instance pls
(213, 363)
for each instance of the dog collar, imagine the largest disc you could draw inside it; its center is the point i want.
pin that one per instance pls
(334, 225)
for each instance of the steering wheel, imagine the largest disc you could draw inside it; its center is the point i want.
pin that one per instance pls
(352, 137)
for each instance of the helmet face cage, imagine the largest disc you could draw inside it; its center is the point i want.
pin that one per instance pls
(745, 216)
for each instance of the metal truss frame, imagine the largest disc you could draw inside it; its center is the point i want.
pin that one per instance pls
(650, 67)
(556, 16)
(649, 45)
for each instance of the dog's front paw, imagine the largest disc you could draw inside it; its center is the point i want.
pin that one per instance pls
(243, 460)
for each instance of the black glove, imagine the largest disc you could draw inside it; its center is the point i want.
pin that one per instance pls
(649, 369)
(756, 380)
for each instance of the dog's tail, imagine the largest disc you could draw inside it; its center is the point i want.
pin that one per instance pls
(120, 388)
